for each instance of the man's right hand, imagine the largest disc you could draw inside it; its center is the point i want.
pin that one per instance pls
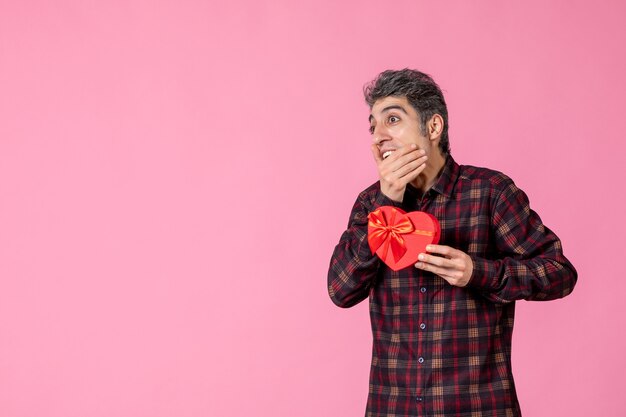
(398, 169)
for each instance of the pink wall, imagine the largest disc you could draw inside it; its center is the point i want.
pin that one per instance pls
(174, 176)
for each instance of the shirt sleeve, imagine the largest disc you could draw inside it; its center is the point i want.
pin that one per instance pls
(528, 261)
(353, 267)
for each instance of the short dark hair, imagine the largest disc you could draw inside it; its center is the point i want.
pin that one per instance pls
(421, 91)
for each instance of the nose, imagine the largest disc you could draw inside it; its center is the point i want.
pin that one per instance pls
(380, 135)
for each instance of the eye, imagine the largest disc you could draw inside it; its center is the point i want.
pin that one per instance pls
(393, 119)
(371, 129)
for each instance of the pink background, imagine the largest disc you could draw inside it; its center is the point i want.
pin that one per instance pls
(175, 174)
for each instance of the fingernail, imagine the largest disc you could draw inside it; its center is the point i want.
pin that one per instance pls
(420, 257)
(428, 247)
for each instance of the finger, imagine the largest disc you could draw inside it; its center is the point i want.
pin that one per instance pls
(446, 273)
(438, 261)
(412, 168)
(414, 158)
(402, 152)
(376, 153)
(442, 250)
(402, 166)
(398, 170)
(398, 159)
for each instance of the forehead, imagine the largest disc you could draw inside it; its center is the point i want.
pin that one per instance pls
(386, 104)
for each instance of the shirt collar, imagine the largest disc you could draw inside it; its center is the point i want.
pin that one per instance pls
(449, 174)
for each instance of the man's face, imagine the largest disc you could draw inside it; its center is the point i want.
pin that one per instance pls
(395, 123)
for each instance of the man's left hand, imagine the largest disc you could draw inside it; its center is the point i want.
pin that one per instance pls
(454, 266)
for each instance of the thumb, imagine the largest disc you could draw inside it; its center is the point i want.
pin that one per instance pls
(376, 153)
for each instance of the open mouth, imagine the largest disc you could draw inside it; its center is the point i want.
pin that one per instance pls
(386, 154)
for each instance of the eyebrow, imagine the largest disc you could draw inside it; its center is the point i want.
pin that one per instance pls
(386, 109)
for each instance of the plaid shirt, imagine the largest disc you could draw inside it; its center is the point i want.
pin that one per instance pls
(441, 350)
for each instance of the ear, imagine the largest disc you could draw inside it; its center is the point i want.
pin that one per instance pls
(435, 127)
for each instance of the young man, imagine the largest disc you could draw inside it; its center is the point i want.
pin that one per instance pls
(442, 329)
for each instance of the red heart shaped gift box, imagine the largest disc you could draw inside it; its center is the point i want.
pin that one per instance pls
(398, 237)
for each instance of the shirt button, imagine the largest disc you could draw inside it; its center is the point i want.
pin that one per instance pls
(420, 360)
(422, 326)
(423, 289)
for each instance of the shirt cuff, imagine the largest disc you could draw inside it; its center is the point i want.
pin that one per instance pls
(484, 274)
(364, 253)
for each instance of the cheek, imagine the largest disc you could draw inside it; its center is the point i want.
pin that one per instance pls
(411, 137)
(405, 135)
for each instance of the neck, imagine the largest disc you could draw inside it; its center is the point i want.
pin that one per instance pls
(429, 175)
